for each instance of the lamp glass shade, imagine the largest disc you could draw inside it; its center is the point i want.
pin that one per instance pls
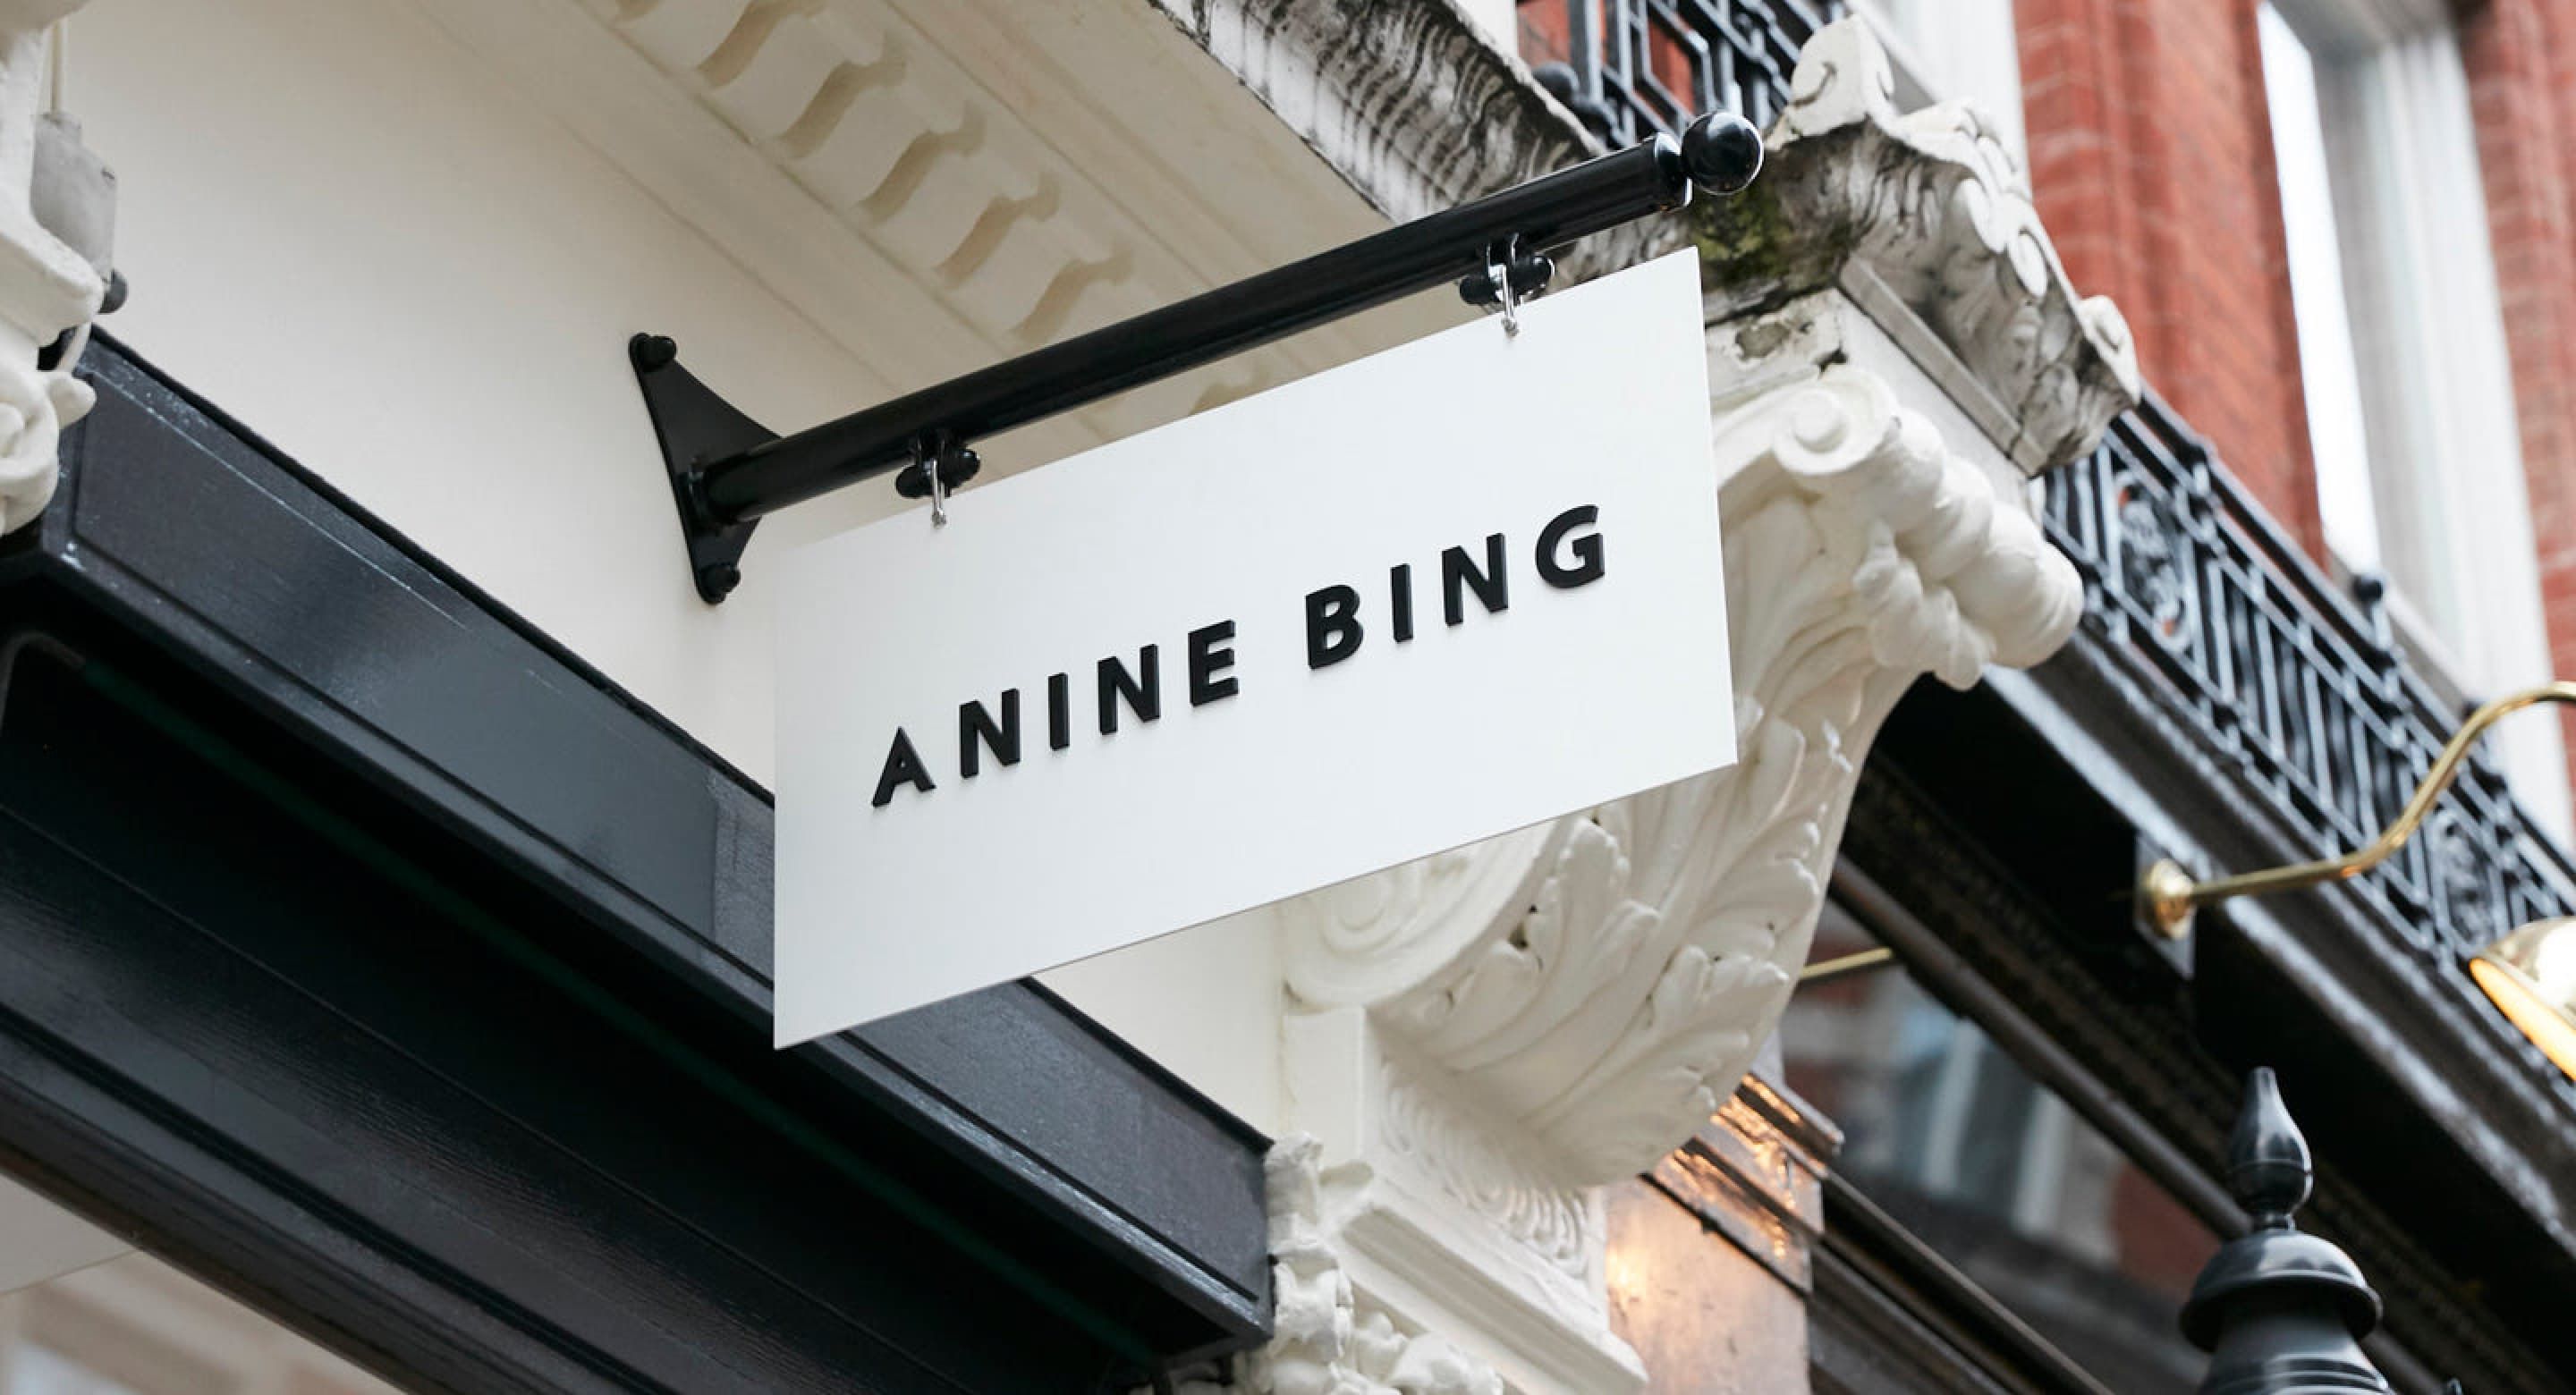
(2531, 976)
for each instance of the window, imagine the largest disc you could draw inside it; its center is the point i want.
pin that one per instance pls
(135, 1326)
(2401, 342)
(82, 1314)
(1954, 50)
(1961, 1147)
(2336, 434)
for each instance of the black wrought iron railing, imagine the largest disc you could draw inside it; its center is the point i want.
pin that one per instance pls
(2300, 692)
(1630, 67)
(2297, 690)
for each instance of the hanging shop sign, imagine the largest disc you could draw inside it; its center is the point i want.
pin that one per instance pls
(1455, 589)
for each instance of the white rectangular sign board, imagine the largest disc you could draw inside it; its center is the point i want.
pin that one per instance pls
(1455, 589)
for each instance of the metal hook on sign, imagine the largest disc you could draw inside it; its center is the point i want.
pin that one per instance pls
(1510, 277)
(939, 465)
(930, 456)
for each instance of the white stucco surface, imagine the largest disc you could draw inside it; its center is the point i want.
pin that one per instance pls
(354, 235)
(40, 1240)
(342, 232)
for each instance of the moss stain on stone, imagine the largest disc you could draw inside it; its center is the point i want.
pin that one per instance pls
(1750, 251)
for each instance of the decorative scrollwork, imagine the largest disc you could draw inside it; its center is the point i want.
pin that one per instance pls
(1620, 967)
(2463, 875)
(2151, 562)
(1326, 1338)
(1544, 1217)
(2254, 646)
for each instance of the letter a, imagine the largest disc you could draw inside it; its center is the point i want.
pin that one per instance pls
(902, 767)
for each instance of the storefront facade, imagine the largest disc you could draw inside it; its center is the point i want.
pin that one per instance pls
(386, 880)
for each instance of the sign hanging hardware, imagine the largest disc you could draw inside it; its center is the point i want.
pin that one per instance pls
(940, 463)
(727, 472)
(1510, 277)
(1243, 625)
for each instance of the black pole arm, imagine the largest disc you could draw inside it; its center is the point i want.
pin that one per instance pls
(727, 472)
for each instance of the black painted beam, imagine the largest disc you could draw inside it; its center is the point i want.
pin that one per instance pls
(362, 948)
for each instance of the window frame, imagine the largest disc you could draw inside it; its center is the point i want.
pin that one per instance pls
(2426, 321)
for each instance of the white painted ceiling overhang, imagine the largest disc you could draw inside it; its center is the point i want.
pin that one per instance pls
(941, 184)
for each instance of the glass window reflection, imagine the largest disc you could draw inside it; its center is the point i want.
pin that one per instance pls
(1953, 1139)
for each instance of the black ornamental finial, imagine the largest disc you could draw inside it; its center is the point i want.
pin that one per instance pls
(2268, 1170)
(2279, 1311)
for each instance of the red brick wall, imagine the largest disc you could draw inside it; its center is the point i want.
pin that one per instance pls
(2151, 158)
(2521, 57)
(1546, 31)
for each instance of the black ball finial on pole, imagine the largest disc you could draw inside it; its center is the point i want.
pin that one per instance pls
(2280, 1312)
(1722, 152)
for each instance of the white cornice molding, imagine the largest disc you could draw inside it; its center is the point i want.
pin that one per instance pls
(938, 185)
(1415, 103)
(1926, 220)
(935, 172)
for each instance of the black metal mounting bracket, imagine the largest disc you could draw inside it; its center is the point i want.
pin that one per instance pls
(727, 471)
(696, 428)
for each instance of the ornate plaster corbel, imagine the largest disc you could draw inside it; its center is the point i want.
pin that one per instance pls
(1481, 1040)
(47, 287)
(1603, 981)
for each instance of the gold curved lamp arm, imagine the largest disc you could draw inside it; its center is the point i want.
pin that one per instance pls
(1861, 962)
(2170, 895)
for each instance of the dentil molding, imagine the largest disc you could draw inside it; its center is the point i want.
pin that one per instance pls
(874, 121)
(968, 167)
(47, 288)
(941, 184)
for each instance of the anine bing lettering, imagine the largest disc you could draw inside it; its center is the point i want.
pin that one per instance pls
(1128, 688)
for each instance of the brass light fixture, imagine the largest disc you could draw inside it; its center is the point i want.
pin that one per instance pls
(1859, 962)
(2530, 974)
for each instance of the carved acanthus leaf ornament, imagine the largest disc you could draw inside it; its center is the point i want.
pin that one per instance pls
(1606, 979)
